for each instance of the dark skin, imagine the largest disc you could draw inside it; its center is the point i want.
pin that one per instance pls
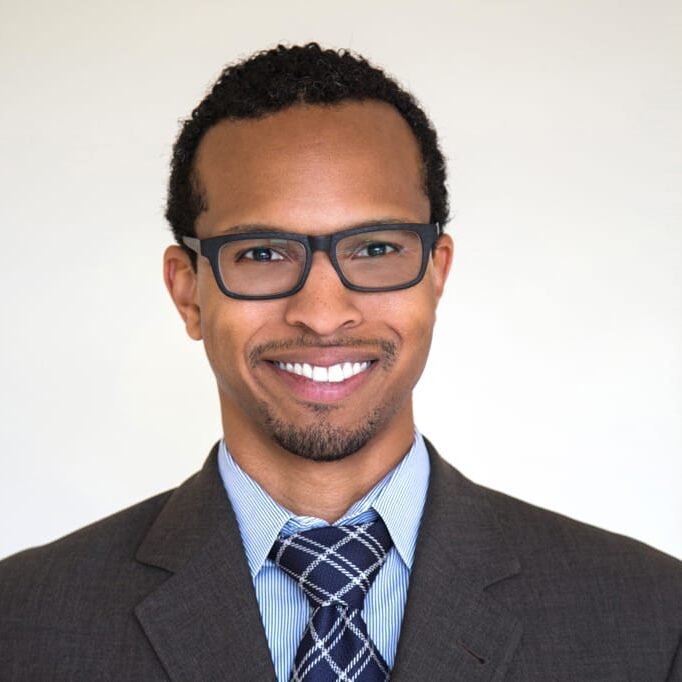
(312, 170)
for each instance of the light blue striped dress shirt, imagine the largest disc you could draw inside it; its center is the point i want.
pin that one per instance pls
(398, 499)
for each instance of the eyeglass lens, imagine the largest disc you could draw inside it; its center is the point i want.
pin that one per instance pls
(269, 266)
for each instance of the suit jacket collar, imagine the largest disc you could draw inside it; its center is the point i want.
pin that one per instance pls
(453, 629)
(204, 621)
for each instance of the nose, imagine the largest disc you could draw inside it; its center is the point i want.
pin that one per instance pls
(324, 306)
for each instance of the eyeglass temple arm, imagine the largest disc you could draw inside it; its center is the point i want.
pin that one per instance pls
(192, 243)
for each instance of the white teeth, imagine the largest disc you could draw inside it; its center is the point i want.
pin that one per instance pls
(333, 374)
(320, 374)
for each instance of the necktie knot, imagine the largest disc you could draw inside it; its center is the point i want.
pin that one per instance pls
(334, 564)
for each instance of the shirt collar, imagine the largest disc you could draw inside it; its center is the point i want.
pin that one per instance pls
(401, 502)
(259, 517)
(398, 499)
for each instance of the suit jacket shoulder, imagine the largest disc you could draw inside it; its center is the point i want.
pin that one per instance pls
(155, 592)
(57, 600)
(541, 536)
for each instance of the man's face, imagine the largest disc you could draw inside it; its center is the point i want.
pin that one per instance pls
(315, 170)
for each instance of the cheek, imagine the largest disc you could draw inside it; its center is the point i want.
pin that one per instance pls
(220, 345)
(228, 329)
(410, 313)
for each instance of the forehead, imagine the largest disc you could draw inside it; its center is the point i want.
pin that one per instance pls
(311, 168)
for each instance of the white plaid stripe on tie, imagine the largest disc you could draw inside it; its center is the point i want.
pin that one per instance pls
(335, 567)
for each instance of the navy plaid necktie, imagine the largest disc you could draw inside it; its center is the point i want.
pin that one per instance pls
(335, 566)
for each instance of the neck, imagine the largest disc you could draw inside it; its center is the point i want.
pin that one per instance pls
(325, 490)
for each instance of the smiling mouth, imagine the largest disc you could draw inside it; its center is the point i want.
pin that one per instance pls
(332, 374)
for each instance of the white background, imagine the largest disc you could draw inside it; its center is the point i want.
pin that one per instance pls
(556, 372)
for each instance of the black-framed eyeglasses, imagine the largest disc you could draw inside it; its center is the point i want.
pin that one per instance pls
(266, 265)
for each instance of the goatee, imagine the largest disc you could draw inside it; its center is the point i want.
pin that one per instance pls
(321, 441)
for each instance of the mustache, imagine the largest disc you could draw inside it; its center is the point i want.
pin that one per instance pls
(388, 349)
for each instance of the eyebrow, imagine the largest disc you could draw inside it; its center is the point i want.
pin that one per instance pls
(263, 227)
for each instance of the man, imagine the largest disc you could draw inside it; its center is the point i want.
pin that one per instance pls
(324, 538)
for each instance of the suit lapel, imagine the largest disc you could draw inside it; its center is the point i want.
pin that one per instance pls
(203, 621)
(453, 629)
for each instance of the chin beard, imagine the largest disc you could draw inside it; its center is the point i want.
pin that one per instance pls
(322, 441)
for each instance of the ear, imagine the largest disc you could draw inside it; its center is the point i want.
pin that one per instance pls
(442, 260)
(181, 282)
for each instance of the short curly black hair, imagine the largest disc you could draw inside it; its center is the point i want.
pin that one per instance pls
(278, 78)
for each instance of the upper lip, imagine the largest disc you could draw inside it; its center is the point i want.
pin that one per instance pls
(322, 357)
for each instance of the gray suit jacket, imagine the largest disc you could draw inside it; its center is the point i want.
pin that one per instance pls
(500, 590)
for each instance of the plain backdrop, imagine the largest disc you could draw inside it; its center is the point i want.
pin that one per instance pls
(556, 370)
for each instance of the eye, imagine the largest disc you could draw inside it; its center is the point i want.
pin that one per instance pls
(374, 249)
(262, 254)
